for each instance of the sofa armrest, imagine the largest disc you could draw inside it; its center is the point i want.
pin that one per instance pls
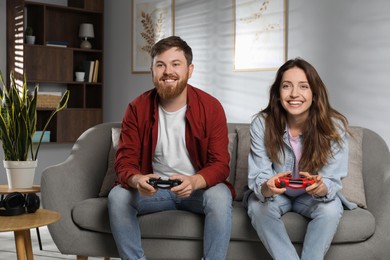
(376, 173)
(78, 178)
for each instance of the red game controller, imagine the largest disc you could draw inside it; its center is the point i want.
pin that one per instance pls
(298, 183)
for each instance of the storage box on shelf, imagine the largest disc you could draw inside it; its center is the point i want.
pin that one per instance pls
(45, 138)
(48, 100)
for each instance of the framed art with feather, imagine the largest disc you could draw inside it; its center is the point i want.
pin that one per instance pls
(259, 34)
(153, 20)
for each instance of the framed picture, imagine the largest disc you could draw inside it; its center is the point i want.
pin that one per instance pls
(152, 21)
(259, 34)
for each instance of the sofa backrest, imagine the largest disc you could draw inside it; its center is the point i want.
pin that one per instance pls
(239, 146)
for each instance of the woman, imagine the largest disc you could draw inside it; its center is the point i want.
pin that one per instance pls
(298, 135)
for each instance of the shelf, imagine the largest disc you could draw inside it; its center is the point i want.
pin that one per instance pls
(56, 65)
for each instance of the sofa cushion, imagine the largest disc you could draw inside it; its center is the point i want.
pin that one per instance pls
(92, 214)
(296, 225)
(243, 147)
(353, 184)
(233, 154)
(110, 176)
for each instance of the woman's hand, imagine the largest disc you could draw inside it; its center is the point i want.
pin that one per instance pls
(269, 188)
(318, 188)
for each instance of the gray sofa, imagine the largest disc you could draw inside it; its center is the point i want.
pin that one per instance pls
(72, 188)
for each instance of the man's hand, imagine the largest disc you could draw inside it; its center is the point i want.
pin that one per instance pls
(188, 184)
(140, 182)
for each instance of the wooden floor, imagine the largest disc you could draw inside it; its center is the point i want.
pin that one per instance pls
(49, 250)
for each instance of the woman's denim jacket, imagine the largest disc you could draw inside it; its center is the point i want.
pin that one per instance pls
(261, 168)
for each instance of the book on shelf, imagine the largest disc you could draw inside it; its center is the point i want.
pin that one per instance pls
(91, 68)
(95, 71)
(63, 44)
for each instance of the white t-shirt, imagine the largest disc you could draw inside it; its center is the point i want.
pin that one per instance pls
(171, 155)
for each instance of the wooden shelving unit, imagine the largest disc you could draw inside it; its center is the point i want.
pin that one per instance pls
(48, 65)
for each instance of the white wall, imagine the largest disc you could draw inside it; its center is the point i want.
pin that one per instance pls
(347, 41)
(207, 26)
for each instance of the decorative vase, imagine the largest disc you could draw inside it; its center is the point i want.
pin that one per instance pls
(20, 174)
(80, 76)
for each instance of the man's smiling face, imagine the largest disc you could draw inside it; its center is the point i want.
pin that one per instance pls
(170, 73)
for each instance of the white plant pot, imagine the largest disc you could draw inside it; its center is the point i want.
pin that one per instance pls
(30, 39)
(20, 174)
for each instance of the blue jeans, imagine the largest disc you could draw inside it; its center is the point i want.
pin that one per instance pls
(266, 219)
(215, 203)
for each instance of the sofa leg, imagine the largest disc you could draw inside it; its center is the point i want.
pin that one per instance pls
(106, 258)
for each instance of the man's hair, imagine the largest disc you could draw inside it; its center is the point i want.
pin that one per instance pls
(170, 42)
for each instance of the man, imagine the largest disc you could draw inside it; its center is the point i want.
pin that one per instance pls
(176, 132)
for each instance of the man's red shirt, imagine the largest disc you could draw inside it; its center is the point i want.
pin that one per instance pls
(206, 137)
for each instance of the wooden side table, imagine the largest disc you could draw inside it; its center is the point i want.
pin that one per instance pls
(4, 190)
(21, 225)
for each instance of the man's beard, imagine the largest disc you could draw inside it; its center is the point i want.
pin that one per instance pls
(171, 91)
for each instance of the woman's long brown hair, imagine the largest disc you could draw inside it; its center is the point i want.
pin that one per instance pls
(319, 130)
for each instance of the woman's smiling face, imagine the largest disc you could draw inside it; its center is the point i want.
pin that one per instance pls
(296, 95)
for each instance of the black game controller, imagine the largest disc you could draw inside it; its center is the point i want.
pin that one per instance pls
(163, 184)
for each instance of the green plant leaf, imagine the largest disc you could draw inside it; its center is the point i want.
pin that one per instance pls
(18, 119)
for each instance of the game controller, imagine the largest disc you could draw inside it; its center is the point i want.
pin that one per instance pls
(298, 183)
(163, 184)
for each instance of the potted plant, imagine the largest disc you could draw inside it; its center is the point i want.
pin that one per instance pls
(18, 118)
(30, 38)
